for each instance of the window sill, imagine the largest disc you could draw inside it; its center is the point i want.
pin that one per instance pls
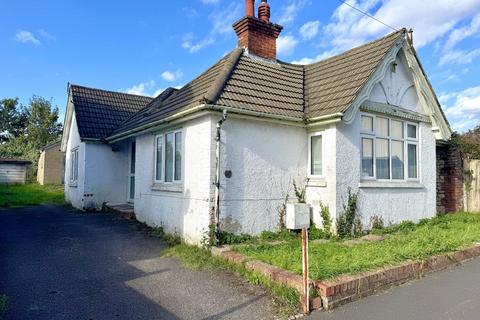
(391, 184)
(317, 183)
(73, 185)
(169, 187)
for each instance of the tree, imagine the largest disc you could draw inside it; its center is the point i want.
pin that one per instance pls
(28, 129)
(12, 119)
(468, 143)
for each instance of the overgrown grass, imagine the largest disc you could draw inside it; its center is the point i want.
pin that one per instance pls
(3, 305)
(30, 194)
(196, 258)
(406, 241)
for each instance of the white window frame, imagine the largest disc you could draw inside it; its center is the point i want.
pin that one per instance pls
(74, 166)
(163, 137)
(406, 141)
(309, 172)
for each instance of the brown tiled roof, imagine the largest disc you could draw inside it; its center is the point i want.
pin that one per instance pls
(332, 85)
(99, 112)
(245, 82)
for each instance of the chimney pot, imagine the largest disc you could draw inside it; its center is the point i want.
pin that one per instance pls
(264, 11)
(250, 5)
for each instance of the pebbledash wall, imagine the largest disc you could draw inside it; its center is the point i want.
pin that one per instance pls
(102, 172)
(182, 208)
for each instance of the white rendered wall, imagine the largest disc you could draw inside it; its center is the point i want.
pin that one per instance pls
(264, 159)
(323, 190)
(185, 211)
(74, 193)
(106, 178)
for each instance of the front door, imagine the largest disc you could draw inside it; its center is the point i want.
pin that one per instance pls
(131, 175)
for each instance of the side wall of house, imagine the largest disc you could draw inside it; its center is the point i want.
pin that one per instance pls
(185, 208)
(106, 178)
(41, 168)
(264, 159)
(74, 192)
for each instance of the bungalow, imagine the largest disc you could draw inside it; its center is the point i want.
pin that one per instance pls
(227, 146)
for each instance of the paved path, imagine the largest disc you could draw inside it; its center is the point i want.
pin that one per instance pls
(450, 294)
(59, 264)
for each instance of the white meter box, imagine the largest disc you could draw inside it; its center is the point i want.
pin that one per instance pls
(298, 216)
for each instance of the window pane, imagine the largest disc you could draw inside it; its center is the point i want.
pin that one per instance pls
(382, 159)
(316, 153)
(412, 131)
(397, 129)
(367, 157)
(132, 158)
(367, 124)
(169, 157)
(397, 159)
(132, 187)
(178, 156)
(412, 161)
(158, 165)
(382, 127)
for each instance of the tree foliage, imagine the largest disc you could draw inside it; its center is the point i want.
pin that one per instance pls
(24, 131)
(468, 143)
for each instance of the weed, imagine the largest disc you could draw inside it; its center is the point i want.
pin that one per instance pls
(376, 223)
(300, 192)
(326, 220)
(348, 222)
(231, 238)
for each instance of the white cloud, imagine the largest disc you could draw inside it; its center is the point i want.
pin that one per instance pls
(46, 35)
(322, 56)
(462, 108)
(221, 20)
(289, 12)
(430, 19)
(24, 36)
(309, 30)
(171, 76)
(461, 33)
(459, 56)
(142, 89)
(286, 45)
(192, 47)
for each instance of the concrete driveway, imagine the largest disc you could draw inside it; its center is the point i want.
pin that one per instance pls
(56, 263)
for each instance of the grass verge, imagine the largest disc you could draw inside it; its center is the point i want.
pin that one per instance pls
(406, 241)
(193, 257)
(30, 194)
(3, 305)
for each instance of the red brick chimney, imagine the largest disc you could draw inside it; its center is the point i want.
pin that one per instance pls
(257, 34)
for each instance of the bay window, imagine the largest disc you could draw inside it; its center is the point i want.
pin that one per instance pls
(389, 148)
(168, 157)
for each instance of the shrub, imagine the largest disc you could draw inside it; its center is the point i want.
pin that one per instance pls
(300, 192)
(231, 238)
(3, 304)
(281, 235)
(326, 220)
(348, 222)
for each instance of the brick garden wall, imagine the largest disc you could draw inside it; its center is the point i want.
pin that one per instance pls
(449, 179)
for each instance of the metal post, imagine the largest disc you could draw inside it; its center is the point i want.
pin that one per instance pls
(306, 287)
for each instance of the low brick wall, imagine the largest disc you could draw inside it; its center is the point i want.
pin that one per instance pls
(350, 288)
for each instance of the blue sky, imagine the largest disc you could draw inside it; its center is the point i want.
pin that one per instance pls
(144, 46)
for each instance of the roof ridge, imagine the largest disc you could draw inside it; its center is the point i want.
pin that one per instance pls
(110, 91)
(217, 86)
(403, 30)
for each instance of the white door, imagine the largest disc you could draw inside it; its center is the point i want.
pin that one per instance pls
(131, 174)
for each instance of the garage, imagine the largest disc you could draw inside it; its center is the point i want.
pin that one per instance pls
(13, 171)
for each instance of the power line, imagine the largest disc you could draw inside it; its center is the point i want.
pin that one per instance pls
(368, 15)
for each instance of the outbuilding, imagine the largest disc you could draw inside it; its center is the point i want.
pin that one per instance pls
(51, 165)
(13, 171)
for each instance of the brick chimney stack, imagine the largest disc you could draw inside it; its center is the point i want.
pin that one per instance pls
(257, 34)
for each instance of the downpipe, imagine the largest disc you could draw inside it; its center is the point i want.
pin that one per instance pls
(217, 174)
